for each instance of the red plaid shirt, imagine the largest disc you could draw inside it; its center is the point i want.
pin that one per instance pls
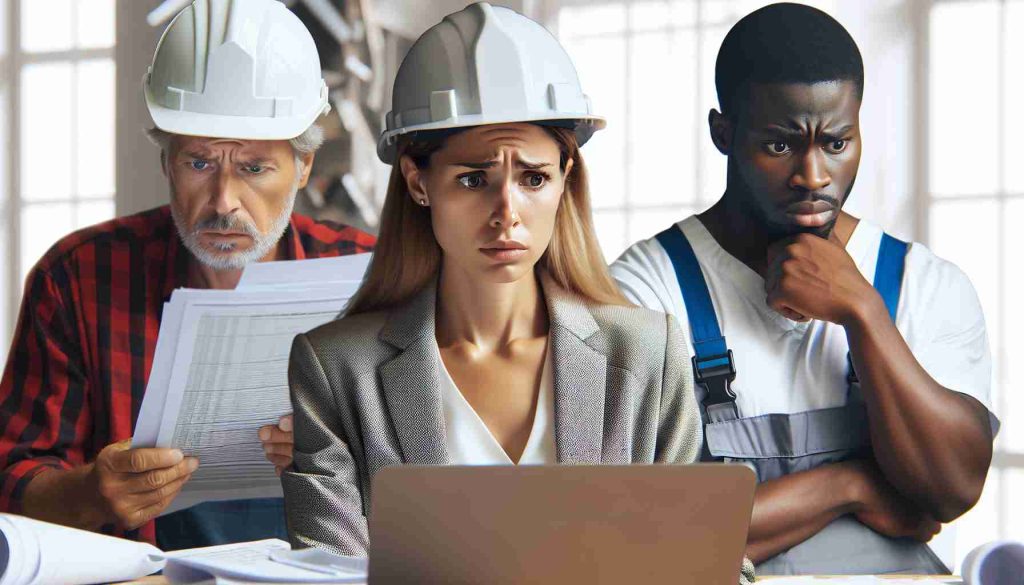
(85, 338)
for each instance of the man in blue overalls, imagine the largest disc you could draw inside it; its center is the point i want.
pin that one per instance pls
(849, 369)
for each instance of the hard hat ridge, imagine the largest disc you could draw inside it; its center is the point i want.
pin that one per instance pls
(485, 65)
(236, 69)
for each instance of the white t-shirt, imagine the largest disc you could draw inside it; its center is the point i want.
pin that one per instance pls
(788, 367)
(470, 442)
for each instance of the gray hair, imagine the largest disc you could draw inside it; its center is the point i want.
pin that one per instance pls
(306, 143)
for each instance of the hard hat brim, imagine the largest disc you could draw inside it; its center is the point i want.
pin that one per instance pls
(586, 125)
(238, 127)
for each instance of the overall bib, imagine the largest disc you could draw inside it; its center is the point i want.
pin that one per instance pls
(778, 444)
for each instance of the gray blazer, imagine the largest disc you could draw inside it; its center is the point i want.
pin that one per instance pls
(366, 394)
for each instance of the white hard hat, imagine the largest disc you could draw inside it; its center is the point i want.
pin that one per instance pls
(243, 69)
(485, 65)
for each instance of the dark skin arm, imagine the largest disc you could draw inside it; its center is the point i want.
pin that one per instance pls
(931, 443)
(793, 508)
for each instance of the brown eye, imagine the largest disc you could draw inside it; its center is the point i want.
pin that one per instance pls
(778, 147)
(473, 181)
(837, 146)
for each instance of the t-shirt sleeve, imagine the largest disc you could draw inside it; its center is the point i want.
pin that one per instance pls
(641, 277)
(951, 341)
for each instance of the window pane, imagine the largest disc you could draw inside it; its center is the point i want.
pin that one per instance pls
(602, 19)
(46, 25)
(646, 223)
(649, 15)
(979, 525)
(93, 212)
(41, 226)
(1012, 433)
(1013, 132)
(95, 23)
(1014, 519)
(601, 64)
(95, 120)
(611, 232)
(4, 11)
(46, 93)
(683, 13)
(963, 115)
(662, 113)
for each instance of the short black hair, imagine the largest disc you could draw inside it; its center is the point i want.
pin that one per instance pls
(785, 43)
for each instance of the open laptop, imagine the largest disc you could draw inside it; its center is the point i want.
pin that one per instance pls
(649, 524)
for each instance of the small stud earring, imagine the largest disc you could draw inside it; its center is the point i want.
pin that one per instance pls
(423, 202)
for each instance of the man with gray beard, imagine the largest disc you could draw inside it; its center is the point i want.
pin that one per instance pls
(235, 119)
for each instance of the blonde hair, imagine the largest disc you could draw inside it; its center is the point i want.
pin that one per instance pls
(407, 257)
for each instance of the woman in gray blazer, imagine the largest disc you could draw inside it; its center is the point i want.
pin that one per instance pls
(488, 329)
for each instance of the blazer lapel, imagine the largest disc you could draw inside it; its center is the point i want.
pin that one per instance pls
(579, 378)
(411, 382)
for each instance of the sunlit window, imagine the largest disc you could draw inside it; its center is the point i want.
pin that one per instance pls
(58, 93)
(975, 207)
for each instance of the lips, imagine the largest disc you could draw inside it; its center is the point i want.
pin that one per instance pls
(504, 250)
(505, 245)
(811, 213)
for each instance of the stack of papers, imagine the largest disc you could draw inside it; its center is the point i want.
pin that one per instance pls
(40, 553)
(220, 370)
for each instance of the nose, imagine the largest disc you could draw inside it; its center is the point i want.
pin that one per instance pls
(811, 174)
(504, 215)
(225, 198)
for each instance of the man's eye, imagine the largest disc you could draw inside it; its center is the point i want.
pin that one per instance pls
(837, 146)
(473, 181)
(254, 169)
(199, 164)
(778, 147)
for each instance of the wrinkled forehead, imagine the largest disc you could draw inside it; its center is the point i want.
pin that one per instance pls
(823, 103)
(266, 149)
(497, 141)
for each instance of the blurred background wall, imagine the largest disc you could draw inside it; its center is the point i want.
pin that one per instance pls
(942, 122)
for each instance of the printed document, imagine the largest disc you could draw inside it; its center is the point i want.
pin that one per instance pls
(220, 370)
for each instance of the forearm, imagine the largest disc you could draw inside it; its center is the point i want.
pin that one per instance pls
(933, 444)
(793, 508)
(64, 497)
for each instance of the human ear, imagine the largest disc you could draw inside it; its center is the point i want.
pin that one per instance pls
(721, 127)
(307, 168)
(566, 173)
(414, 181)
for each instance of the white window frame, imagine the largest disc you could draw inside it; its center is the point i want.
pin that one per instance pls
(547, 11)
(12, 63)
(1003, 458)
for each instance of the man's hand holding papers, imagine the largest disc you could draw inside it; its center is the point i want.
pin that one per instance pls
(136, 485)
(123, 486)
(278, 442)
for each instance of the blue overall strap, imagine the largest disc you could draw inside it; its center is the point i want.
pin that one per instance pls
(892, 254)
(713, 365)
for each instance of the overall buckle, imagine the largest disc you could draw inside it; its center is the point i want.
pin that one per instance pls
(715, 374)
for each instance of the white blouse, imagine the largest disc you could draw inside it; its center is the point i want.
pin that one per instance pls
(470, 442)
